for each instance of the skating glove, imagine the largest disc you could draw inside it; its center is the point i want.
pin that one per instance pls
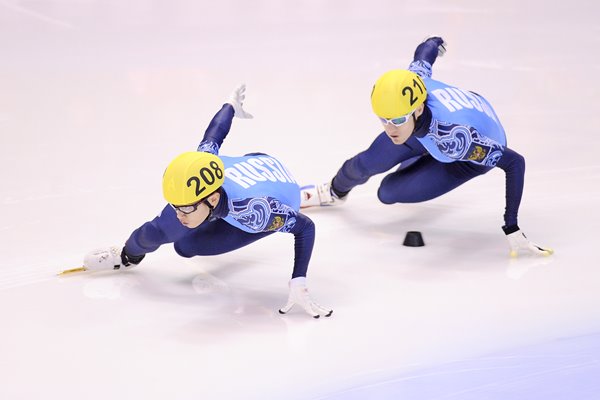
(519, 243)
(299, 295)
(237, 101)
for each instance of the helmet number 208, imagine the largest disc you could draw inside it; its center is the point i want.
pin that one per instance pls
(407, 89)
(207, 176)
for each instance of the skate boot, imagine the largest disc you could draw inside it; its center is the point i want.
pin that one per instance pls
(110, 258)
(319, 195)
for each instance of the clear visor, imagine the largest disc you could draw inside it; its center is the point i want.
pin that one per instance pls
(187, 209)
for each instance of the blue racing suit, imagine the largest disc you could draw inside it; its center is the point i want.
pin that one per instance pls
(259, 197)
(457, 138)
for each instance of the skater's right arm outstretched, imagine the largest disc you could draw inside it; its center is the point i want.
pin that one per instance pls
(425, 55)
(221, 123)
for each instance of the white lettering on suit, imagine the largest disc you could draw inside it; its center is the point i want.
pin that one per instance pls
(456, 99)
(257, 169)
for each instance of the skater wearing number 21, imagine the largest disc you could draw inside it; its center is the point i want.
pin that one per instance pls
(218, 204)
(441, 137)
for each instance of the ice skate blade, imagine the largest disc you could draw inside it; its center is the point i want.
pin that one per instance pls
(72, 271)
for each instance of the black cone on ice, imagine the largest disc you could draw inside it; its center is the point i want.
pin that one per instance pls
(414, 239)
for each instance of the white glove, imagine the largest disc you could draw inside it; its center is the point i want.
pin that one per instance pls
(237, 101)
(519, 243)
(299, 295)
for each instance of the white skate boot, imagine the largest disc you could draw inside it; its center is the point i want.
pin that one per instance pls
(105, 259)
(319, 195)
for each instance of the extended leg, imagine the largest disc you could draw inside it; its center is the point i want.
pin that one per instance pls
(382, 155)
(426, 179)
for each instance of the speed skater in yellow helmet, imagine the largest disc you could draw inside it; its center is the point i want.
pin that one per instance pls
(191, 177)
(397, 93)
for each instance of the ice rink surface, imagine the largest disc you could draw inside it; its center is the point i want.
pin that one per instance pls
(96, 97)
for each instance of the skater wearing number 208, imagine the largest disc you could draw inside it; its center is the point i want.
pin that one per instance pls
(218, 204)
(441, 136)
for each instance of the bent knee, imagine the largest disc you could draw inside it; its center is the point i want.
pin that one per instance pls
(385, 196)
(391, 191)
(182, 249)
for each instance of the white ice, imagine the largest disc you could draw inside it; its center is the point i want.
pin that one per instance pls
(97, 96)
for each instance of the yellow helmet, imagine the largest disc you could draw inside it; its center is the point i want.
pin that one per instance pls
(191, 177)
(397, 93)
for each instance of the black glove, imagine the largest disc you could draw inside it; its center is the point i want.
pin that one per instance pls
(128, 259)
(430, 49)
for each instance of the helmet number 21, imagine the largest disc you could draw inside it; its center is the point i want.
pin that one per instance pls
(207, 177)
(407, 89)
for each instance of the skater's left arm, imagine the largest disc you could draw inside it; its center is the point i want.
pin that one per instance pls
(268, 214)
(513, 164)
(304, 238)
(487, 152)
(221, 123)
